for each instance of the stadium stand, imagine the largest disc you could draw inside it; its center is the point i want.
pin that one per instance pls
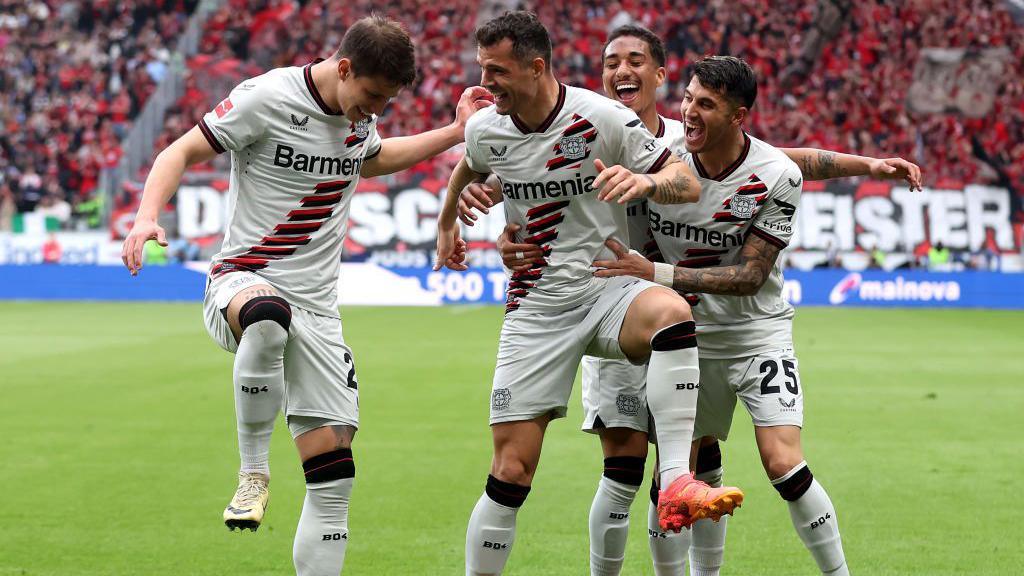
(73, 75)
(847, 88)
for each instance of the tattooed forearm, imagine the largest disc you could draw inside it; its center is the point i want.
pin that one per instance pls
(822, 166)
(828, 166)
(743, 279)
(675, 190)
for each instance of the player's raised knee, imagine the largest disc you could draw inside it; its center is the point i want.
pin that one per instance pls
(673, 310)
(267, 309)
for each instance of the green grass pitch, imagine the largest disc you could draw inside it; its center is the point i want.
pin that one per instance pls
(118, 452)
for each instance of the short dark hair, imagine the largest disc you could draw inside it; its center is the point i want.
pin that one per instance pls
(729, 76)
(654, 43)
(529, 37)
(381, 48)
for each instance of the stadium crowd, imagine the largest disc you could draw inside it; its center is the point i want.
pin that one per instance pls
(75, 73)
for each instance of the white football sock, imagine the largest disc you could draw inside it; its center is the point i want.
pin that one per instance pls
(814, 518)
(322, 535)
(668, 549)
(609, 526)
(673, 379)
(492, 527)
(259, 391)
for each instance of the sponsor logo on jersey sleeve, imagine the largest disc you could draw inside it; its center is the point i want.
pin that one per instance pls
(786, 208)
(223, 108)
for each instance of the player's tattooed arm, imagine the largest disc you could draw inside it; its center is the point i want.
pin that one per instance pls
(824, 165)
(674, 183)
(757, 257)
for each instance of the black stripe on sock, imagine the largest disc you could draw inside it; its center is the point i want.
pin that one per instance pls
(265, 308)
(796, 485)
(654, 492)
(709, 458)
(675, 337)
(506, 493)
(625, 469)
(329, 466)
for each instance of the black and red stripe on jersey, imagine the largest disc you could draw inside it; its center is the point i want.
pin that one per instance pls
(542, 228)
(314, 210)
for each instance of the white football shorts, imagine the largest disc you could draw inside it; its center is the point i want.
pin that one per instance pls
(614, 395)
(319, 370)
(539, 351)
(768, 384)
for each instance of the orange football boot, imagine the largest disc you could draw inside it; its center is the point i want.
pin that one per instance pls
(687, 500)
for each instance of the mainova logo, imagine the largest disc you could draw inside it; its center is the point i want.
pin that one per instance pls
(898, 289)
(842, 289)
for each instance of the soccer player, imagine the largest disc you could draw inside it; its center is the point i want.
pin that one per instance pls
(633, 61)
(726, 249)
(300, 138)
(568, 160)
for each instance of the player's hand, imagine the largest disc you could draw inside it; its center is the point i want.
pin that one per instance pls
(897, 169)
(518, 257)
(476, 196)
(473, 98)
(620, 184)
(451, 250)
(131, 250)
(626, 263)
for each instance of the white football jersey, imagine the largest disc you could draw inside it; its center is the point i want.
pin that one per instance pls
(670, 134)
(758, 194)
(294, 166)
(546, 178)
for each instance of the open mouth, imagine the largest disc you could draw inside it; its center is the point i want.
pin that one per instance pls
(627, 92)
(694, 133)
(501, 99)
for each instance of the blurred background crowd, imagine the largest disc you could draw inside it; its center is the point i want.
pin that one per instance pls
(858, 77)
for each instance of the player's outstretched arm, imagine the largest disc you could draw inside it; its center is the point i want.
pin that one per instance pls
(673, 184)
(744, 278)
(824, 165)
(451, 249)
(162, 182)
(402, 152)
(479, 196)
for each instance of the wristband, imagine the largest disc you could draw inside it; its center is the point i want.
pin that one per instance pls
(664, 274)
